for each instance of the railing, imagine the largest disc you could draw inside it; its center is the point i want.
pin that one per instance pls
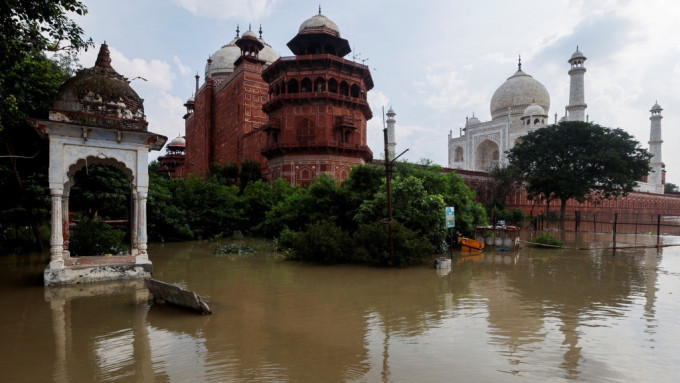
(605, 222)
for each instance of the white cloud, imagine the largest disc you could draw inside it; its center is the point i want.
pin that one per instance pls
(225, 9)
(158, 74)
(164, 113)
(183, 69)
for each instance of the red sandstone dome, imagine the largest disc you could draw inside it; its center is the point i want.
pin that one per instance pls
(100, 97)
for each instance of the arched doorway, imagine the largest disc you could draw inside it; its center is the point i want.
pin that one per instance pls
(487, 156)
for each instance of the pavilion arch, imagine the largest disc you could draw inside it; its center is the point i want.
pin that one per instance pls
(355, 91)
(333, 85)
(306, 85)
(319, 84)
(344, 88)
(293, 86)
(487, 155)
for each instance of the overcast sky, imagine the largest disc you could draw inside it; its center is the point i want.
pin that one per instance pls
(434, 62)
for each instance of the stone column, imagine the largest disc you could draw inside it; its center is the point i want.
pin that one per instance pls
(66, 232)
(57, 238)
(142, 256)
(133, 227)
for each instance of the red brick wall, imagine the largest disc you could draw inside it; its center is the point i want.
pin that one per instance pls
(634, 203)
(226, 116)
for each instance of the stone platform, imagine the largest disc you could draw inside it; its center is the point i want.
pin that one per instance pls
(79, 270)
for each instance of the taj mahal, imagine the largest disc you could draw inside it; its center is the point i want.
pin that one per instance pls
(521, 105)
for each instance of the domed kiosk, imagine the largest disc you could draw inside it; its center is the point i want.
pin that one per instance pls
(97, 119)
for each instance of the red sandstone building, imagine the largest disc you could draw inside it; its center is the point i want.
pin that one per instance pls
(297, 116)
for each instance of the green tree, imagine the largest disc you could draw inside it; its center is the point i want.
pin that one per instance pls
(29, 28)
(671, 188)
(412, 206)
(33, 82)
(579, 160)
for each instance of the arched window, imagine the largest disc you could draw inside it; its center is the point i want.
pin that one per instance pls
(333, 85)
(355, 91)
(319, 84)
(344, 89)
(536, 121)
(292, 86)
(306, 85)
(458, 155)
(305, 132)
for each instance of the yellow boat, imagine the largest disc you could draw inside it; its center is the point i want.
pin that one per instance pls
(470, 245)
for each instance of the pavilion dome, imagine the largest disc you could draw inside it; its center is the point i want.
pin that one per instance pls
(223, 59)
(318, 21)
(534, 110)
(472, 121)
(517, 93)
(178, 143)
(100, 97)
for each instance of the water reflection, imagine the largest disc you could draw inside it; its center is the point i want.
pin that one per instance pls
(531, 315)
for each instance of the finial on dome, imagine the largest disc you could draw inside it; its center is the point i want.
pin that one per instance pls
(249, 28)
(319, 9)
(237, 31)
(103, 58)
(260, 30)
(519, 63)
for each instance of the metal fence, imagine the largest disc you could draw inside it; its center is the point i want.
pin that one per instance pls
(608, 222)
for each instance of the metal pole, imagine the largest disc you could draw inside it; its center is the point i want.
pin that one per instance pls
(658, 230)
(388, 173)
(616, 217)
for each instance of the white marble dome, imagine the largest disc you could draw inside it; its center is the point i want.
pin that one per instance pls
(178, 142)
(534, 110)
(223, 59)
(518, 92)
(319, 21)
(472, 121)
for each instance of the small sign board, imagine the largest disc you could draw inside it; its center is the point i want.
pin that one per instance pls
(450, 217)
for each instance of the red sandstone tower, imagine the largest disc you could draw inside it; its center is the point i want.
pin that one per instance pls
(223, 122)
(317, 107)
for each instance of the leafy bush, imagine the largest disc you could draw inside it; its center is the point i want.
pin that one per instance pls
(546, 240)
(322, 242)
(233, 248)
(93, 236)
(373, 248)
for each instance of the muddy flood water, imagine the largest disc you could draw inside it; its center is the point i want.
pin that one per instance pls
(535, 315)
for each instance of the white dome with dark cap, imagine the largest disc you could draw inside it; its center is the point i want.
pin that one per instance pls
(517, 93)
(318, 21)
(224, 58)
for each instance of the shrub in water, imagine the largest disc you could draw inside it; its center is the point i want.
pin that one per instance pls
(322, 242)
(373, 248)
(546, 240)
(93, 236)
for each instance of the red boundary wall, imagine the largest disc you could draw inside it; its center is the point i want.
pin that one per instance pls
(633, 203)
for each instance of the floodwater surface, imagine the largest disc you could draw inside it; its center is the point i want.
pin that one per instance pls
(534, 315)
